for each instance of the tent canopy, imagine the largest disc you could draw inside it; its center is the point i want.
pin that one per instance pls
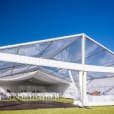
(67, 49)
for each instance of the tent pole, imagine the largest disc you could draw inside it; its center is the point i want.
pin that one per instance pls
(84, 93)
(83, 74)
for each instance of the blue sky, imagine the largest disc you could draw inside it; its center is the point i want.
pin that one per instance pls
(29, 20)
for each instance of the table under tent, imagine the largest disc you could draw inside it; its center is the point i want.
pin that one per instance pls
(74, 66)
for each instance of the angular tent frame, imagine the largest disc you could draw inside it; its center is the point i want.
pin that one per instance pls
(82, 68)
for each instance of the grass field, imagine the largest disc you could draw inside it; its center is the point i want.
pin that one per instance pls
(93, 110)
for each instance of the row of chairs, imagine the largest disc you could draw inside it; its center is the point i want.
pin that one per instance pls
(31, 95)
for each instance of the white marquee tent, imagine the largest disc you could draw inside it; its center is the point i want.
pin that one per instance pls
(75, 66)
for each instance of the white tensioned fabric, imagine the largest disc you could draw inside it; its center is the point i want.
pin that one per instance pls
(74, 75)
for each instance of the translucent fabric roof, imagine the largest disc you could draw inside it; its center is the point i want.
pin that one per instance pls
(96, 55)
(62, 49)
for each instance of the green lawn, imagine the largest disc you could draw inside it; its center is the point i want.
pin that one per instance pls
(93, 110)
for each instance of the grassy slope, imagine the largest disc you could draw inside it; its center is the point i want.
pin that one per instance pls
(93, 110)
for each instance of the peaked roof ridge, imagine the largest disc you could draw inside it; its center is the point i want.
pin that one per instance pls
(40, 41)
(55, 39)
(99, 44)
